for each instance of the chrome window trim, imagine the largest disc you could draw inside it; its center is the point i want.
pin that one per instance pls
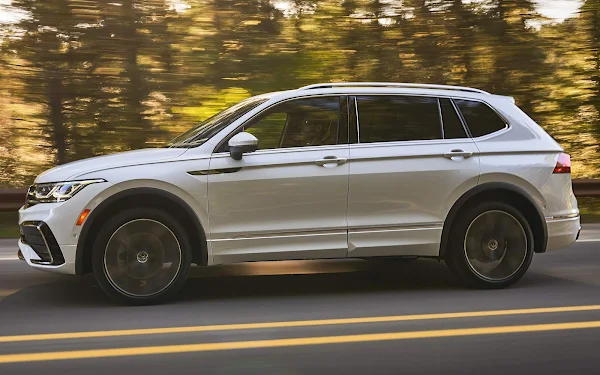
(441, 118)
(411, 143)
(286, 149)
(355, 95)
(506, 122)
(357, 121)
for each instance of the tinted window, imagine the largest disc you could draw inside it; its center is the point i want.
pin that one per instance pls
(398, 118)
(269, 130)
(343, 137)
(480, 118)
(298, 123)
(453, 127)
(352, 135)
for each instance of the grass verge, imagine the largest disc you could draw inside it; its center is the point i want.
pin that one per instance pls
(9, 227)
(590, 210)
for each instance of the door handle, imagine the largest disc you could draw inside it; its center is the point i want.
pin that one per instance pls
(330, 160)
(458, 153)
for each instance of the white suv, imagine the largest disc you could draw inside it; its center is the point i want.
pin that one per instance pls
(325, 171)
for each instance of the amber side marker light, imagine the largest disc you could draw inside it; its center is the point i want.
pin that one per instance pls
(82, 217)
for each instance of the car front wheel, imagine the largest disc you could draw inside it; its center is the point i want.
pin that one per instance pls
(491, 245)
(141, 256)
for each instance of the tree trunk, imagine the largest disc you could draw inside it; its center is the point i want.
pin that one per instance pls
(136, 91)
(58, 132)
(500, 74)
(466, 40)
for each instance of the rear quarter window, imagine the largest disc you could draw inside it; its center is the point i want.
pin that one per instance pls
(480, 118)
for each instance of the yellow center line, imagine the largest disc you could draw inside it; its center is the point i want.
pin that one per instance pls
(288, 324)
(170, 349)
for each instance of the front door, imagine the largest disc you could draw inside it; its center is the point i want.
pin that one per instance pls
(406, 171)
(287, 200)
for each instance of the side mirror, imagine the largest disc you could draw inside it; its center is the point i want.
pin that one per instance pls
(242, 143)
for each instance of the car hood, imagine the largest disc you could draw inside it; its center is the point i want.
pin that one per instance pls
(72, 170)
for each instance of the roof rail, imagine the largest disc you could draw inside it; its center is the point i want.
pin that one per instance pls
(391, 84)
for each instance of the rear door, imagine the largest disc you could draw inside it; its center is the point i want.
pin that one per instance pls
(406, 171)
(288, 200)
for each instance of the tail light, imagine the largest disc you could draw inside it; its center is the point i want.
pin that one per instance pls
(563, 164)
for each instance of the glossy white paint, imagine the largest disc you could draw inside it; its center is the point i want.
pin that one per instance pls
(70, 171)
(562, 233)
(377, 200)
(243, 139)
(61, 218)
(405, 186)
(302, 210)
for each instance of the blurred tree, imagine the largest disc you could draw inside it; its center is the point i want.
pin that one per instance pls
(101, 76)
(49, 62)
(136, 60)
(519, 63)
(461, 25)
(590, 19)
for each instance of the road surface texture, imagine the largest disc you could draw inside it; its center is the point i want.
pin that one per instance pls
(310, 317)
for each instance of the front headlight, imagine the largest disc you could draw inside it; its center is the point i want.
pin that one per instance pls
(56, 191)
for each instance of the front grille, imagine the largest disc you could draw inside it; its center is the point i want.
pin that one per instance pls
(39, 237)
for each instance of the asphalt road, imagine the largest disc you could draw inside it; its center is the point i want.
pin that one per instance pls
(302, 316)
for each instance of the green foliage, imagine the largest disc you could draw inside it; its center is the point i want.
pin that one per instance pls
(9, 227)
(86, 77)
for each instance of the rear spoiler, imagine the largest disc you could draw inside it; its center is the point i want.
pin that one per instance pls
(509, 98)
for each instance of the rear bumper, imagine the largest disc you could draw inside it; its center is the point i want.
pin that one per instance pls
(562, 232)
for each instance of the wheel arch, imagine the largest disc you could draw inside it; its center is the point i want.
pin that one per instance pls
(511, 194)
(131, 198)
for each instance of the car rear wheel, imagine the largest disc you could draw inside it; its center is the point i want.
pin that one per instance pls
(141, 256)
(491, 245)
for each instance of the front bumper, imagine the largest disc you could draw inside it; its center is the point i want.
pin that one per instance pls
(34, 260)
(52, 226)
(562, 232)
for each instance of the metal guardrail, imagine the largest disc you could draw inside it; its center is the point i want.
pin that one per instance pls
(586, 188)
(13, 199)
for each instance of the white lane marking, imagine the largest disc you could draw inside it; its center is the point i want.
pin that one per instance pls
(589, 240)
(7, 292)
(9, 258)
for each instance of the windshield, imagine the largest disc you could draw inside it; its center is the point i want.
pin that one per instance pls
(212, 125)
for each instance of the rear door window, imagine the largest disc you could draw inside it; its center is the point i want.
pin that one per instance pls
(398, 118)
(453, 127)
(480, 118)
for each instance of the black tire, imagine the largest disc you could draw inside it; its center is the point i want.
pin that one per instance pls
(146, 251)
(490, 258)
